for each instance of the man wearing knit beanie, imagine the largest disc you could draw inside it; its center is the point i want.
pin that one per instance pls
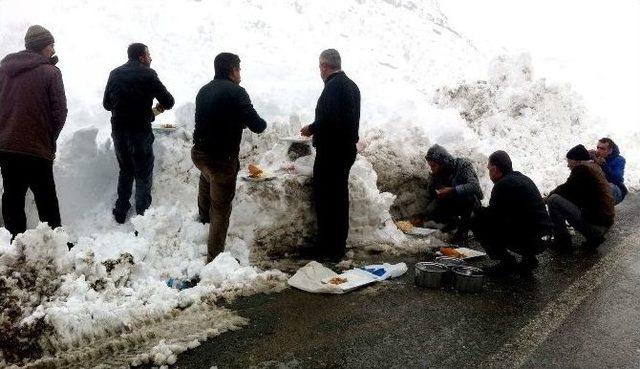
(516, 220)
(33, 110)
(584, 201)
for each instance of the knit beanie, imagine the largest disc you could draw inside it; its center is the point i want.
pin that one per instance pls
(37, 38)
(501, 160)
(579, 153)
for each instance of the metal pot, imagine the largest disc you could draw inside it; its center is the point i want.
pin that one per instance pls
(468, 278)
(450, 263)
(429, 274)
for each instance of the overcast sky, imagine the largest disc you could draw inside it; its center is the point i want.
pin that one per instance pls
(594, 45)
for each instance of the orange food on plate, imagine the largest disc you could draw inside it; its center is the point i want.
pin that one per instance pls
(451, 252)
(337, 280)
(255, 171)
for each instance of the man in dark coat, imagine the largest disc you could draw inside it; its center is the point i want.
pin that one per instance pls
(585, 201)
(129, 97)
(33, 110)
(335, 134)
(516, 219)
(223, 111)
(607, 155)
(453, 191)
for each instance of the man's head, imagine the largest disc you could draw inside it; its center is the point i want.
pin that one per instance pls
(227, 65)
(605, 147)
(39, 40)
(439, 159)
(499, 165)
(330, 62)
(139, 52)
(578, 154)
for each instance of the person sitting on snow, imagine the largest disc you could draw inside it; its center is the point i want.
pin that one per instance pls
(516, 219)
(607, 155)
(585, 201)
(453, 191)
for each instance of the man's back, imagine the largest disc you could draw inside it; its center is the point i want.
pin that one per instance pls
(32, 104)
(223, 110)
(129, 96)
(516, 200)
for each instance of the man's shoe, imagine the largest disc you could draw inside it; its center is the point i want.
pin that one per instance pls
(528, 263)
(592, 243)
(504, 267)
(119, 217)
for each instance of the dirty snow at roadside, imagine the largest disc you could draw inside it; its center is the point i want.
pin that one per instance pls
(421, 83)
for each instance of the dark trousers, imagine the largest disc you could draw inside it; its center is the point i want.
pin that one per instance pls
(454, 211)
(22, 172)
(134, 152)
(331, 197)
(216, 191)
(563, 211)
(496, 237)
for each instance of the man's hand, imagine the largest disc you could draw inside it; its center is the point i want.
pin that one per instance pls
(159, 108)
(445, 192)
(306, 131)
(599, 160)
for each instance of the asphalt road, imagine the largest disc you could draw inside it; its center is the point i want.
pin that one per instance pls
(577, 310)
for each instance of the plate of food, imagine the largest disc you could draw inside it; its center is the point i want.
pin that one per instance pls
(257, 174)
(164, 127)
(408, 228)
(350, 280)
(296, 139)
(464, 253)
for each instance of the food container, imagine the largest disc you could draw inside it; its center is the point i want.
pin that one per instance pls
(468, 279)
(429, 274)
(450, 263)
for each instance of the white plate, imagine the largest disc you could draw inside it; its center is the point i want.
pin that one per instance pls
(467, 252)
(419, 231)
(262, 178)
(355, 278)
(160, 128)
(296, 139)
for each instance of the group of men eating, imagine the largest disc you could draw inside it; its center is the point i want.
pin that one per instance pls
(518, 219)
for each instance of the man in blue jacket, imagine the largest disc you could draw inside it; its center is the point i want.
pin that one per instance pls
(335, 134)
(607, 155)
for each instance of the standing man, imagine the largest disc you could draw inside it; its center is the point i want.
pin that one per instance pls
(335, 134)
(516, 219)
(33, 109)
(607, 155)
(223, 111)
(584, 201)
(129, 97)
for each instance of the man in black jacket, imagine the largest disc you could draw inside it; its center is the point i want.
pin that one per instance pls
(515, 220)
(129, 96)
(335, 134)
(223, 111)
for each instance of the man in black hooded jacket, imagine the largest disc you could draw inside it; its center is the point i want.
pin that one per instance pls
(129, 96)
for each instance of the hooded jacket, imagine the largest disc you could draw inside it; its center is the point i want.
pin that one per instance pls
(33, 106)
(458, 173)
(613, 169)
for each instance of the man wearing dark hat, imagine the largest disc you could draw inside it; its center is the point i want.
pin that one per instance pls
(453, 191)
(33, 110)
(516, 219)
(129, 97)
(585, 201)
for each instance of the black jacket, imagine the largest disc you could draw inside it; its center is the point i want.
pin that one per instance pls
(517, 206)
(589, 190)
(337, 114)
(129, 96)
(223, 110)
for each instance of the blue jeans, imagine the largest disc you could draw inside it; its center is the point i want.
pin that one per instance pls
(617, 193)
(134, 151)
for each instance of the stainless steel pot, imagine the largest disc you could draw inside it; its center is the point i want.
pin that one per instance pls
(468, 278)
(449, 262)
(430, 275)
